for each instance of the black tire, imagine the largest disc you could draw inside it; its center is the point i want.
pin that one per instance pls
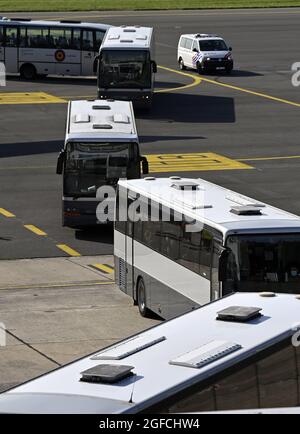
(28, 72)
(200, 69)
(141, 298)
(182, 66)
(228, 69)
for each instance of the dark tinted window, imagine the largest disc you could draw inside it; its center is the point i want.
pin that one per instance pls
(99, 35)
(11, 39)
(1, 36)
(170, 238)
(88, 40)
(272, 381)
(190, 250)
(60, 38)
(76, 42)
(205, 254)
(35, 37)
(151, 235)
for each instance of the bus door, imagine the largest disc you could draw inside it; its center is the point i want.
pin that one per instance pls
(215, 284)
(129, 259)
(1, 44)
(11, 49)
(88, 53)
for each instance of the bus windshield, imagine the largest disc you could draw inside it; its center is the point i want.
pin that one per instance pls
(125, 69)
(269, 261)
(90, 165)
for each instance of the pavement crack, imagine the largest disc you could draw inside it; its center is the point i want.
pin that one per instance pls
(32, 348)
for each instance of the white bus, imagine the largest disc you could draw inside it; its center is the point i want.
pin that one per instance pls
(101, 146)
(194, 363)
(169, 266)
(34, 48)
(126, 65)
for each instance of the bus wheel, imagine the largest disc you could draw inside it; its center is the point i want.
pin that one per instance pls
(181, 65)
(141, 298)
(28, 72)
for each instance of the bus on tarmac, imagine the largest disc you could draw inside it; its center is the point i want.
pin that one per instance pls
(126, 65)
(200, 242)
(101, 146)
(225, 356)
(41, 48)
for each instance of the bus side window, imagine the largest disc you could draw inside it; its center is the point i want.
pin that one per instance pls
(60, 38)
(99, 35)
(36, 37)
(76, 39)
(205, 253)
(1, 36)
(11, 38)
(87, 40)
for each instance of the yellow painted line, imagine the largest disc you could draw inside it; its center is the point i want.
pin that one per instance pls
(35, 230)
(289, 157)
(68, 250)
(29, 98)
(6, 213)
(103, 267)
(196, 80)
(160, 163)
(57, 285)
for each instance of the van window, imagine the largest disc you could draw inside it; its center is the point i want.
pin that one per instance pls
(195, 45)
(188, 44)
(182, 42)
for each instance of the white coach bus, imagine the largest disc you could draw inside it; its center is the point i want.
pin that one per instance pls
(126, 65)
(225, 356)
(34, 48)
(170, 266)
(101, 146)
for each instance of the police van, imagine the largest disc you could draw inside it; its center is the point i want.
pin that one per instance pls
(204, 52)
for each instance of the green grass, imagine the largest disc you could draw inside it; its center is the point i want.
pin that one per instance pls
(85, 5)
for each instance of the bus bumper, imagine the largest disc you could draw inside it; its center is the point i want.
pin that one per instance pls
(138, 98)
(76, 214)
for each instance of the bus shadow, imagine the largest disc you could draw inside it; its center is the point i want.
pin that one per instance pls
(190, 108)
(98, 234)
(151, 139)
(29, 148)
(60, 80)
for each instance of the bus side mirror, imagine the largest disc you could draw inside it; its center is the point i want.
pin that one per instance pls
(145, 165)
(154, 67)
(60, 163)
(195, 50)
(95, 65)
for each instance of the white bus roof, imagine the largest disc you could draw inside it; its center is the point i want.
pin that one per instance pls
(134, 37)
(155, 378)
(214, 205)
(63, 23)
(101, 120)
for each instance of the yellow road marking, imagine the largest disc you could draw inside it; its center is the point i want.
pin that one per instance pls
(29, 98)
(192, 162)
(196, 80)
(57, 285)
(68, 250)
(36, 230)
(6, 213)
(290, 157)
(104, 268)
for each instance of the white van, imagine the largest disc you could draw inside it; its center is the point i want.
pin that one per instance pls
(204, 52)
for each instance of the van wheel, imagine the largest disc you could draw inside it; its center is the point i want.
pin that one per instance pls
(141, 298)
(28, 72)
(182, 66)
(200, 68)
(228, 69)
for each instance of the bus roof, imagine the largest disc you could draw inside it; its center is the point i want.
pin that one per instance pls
(223, 209)
(101, 120)
(155, 377)
(63, 23)
(134, 37)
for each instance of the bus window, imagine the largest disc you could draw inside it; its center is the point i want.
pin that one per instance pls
(99, 35)
(37, 37)
(87, 40)
(11, 39)
(170, 236)
(190, 250)
(1, 37)
(76, 43)
(205, 255)
(60, 38)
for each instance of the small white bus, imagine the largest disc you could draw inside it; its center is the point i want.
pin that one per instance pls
(43, 48)
(199, 362)
(169, 265)
(101, 146)
(126, 65)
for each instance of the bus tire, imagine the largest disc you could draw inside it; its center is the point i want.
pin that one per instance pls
(141, 298)
(28, 71)
(182, 66)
